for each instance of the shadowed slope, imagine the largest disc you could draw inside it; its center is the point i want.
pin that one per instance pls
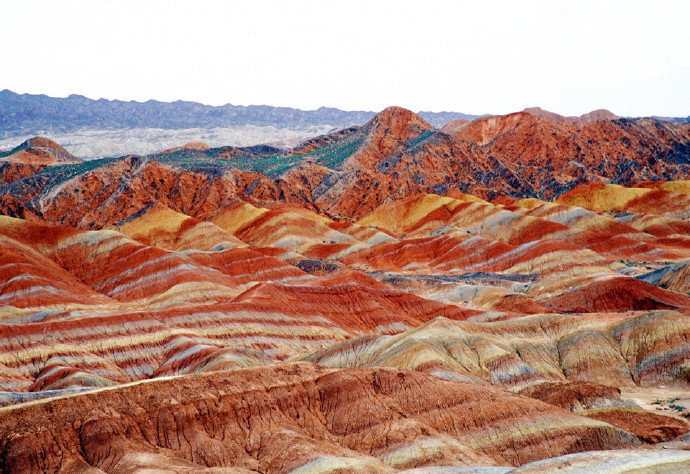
(674, 277)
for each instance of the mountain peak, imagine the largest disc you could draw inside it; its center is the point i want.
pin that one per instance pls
(41, 142)
(593, 116)
(454, 124)
(193, 145)
(599, 114)
(398, 120)
(32, 156)
(545, 114)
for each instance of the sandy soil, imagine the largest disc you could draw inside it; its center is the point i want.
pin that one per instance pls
(670, 401)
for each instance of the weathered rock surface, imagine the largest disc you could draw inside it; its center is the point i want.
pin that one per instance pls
(613, 461)
(276, 419)
(30, 157)
(615, 350)
(390, 244)
(604, 403)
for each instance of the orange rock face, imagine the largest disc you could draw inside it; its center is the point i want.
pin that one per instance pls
(188, 146)
(385, 297)
(574, 396)
(648, 427)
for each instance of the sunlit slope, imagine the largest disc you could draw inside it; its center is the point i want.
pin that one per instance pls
(616, 350)
(118, 310)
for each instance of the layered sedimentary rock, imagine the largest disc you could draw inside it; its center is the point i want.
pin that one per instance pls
(107, 299)
(294, 416)
(674, 277)
(613, 461)
(511, 274)
(602, 402)
(614, 349)
(349, 173)
(30, 157)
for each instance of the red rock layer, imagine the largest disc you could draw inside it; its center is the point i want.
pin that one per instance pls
(396, 154)
(601, 402)
(31, 157)
(648, 427)
(616, 350)
(617, 294)
(179, 264)
(574, 396)
(275, 419)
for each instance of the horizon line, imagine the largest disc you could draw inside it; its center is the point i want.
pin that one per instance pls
(230, 104)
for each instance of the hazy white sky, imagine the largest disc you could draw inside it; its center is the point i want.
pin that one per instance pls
(631, 57)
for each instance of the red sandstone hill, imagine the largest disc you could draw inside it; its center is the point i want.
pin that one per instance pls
(148, 304)
(30, 157)
(519, 154)
(593, 116)
(453, 124)
(195, 145)
(349, 173)
(285, 417)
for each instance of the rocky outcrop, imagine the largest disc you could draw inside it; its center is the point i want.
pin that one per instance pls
(349, 173)
(574, 396)
(604, 403)
(617, 294)
(643, 460)
(673, 277)
(649, 427)
(194, 145)
(593, 116)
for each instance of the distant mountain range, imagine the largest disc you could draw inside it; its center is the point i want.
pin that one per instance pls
(25, 114)
(90, 128)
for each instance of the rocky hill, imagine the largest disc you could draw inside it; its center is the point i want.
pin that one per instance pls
(500, 292)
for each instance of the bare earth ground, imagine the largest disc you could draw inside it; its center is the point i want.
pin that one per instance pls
(670, 401)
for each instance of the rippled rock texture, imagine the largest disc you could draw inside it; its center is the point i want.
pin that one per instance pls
(292, 416)
(389, 296)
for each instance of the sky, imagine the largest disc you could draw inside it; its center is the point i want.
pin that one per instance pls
(632, 57)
